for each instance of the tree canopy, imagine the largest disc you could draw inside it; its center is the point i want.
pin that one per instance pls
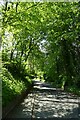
(42, 37)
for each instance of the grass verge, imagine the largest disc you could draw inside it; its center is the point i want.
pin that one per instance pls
(11, 87)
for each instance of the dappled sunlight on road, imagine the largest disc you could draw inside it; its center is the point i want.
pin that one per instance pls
(47, 102)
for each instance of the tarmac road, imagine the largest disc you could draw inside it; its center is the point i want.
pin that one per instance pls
(45, 102)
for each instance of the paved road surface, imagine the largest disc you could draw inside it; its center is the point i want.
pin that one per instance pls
(47, 102)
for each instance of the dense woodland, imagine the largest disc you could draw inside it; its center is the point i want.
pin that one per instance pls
(40, 40)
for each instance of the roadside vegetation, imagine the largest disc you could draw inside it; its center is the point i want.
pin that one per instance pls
(11, 87)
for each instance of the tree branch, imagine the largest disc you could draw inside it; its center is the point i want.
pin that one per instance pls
(34, 5)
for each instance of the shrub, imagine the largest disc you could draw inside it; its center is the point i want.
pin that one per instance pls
(10, 86)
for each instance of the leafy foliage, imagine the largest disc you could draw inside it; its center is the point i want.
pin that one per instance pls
(42, 37)
(10, 86)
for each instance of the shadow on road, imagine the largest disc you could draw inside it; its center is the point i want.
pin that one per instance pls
(45, 102)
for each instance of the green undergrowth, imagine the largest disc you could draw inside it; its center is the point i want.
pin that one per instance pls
(74, 90)
(11, 87)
